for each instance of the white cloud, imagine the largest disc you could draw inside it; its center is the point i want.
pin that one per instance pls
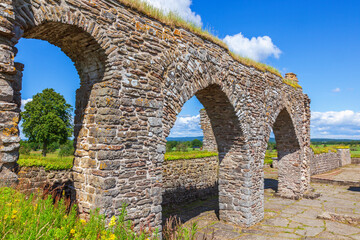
(187, 126)
(342, 124)
(181, 7)
(258, 48)
(336, 90)
(24, 102)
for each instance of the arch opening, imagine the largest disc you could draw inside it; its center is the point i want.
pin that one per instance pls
(89, 59)
(234, 180)
(289, 156)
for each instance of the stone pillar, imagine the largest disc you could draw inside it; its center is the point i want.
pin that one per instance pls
(209, 141)
(239, 192)
(10, 100)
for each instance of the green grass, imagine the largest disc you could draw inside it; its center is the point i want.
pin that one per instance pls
(24, 217)
(173, 20)
(50, 162)
(355, 154)
(171, 156)
(319, 149)
(291, 83)
(269, 155)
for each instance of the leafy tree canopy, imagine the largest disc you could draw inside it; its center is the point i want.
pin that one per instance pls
(47, 119)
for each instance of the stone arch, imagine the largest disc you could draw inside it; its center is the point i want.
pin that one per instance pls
(151, 69)
(82, 41)
(290, 156)
(235, 179)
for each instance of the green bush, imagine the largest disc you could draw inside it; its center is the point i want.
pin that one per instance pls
(66, 149)
(32, 217)
(25, 148)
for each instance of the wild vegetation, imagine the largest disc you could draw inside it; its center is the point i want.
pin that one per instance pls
(37, 217)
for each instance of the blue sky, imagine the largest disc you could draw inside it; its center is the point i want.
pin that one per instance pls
(318, 40)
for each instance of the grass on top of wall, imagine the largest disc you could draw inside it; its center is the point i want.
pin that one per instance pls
(171, 156)
(173, 20)
(319, 149)
(355, 154)
(50, 162)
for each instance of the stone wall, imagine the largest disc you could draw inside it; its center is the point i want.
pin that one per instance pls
(188, 180)
(325, 162)
(209, 141)
(355, 160)
(136, 73)
(32, 179)
(183, 180)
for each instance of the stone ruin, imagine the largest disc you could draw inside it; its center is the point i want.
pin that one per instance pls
(136, 73)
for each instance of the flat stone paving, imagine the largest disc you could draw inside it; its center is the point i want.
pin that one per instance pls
(348, 176)
(284, 218)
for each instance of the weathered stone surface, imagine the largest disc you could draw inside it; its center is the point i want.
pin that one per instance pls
(325, 162)
(31, 179)
(209, 140)
(188, 180)
(136, 74)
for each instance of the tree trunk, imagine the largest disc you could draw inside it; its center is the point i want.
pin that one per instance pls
(44, 151)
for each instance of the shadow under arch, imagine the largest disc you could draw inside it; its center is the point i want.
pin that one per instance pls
(289, 156)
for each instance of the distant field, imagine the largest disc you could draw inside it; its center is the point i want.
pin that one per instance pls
(53, 162)
(171, 156)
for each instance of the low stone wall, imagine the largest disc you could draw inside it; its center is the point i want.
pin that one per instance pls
(30, 179)
(355, 160)
(183, 180)
(187, 180)
(325, 162)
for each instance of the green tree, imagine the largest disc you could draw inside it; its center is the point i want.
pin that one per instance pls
(196, 143)
(47, 119)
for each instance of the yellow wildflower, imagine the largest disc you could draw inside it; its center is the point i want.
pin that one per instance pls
(14, 212)
(13, 216)
(112, 221)
(65, 216)
(112, 237)
(82, 221)
(72, 231)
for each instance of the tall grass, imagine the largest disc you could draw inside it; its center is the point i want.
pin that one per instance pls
(33, 217)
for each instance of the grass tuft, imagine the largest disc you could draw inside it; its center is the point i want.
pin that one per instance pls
(292, 83)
